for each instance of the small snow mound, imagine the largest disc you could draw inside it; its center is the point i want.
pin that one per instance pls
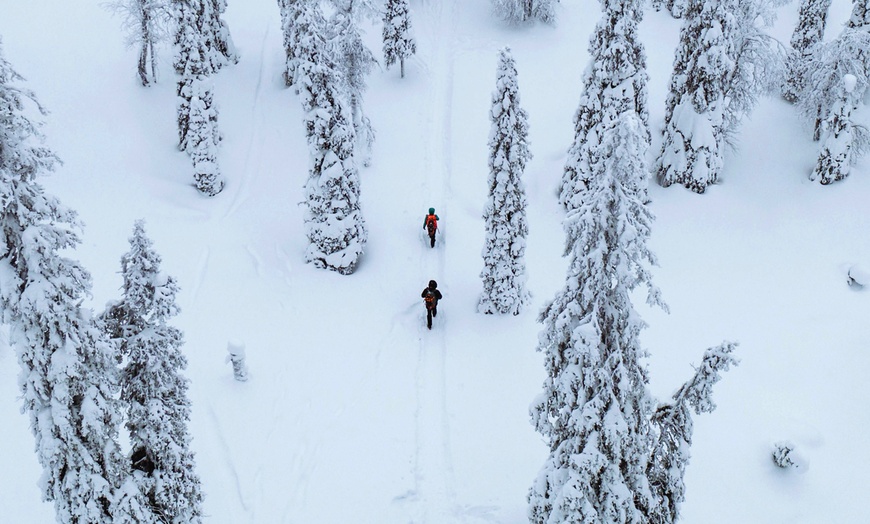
(858, 276)
(236, 348)
(786, 456)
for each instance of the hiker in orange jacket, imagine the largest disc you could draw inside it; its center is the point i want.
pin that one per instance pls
(430, 224)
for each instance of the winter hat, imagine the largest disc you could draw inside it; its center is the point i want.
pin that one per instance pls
(431, 210)
(433, 284)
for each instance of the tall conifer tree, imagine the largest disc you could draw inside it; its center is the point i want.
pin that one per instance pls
(839, 144)
(694, 138)
(398, 42)
(614, 81)
(334, 223)
(68, 376)
(198, 56)
(595, 407)
(355, 62)
(808, 34)
(504, 271)
(152, 386)
(836, 83)
(304, 27)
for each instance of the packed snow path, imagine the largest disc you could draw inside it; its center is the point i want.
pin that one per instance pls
(433, 499)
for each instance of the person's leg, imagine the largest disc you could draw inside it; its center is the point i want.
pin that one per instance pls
(429, 318)
(435, 311)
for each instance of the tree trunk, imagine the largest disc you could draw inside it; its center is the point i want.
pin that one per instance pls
(143, 54)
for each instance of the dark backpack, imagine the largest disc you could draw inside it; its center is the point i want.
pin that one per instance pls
(429, 298)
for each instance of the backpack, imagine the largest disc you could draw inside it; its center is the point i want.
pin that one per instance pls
(429, 299)
(431, 223)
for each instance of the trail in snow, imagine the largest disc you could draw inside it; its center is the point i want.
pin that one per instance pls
(228, 458)
(434, 496)
(254, 153)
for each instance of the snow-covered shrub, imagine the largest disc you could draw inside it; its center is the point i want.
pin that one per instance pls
(858, 276)
(786, 455)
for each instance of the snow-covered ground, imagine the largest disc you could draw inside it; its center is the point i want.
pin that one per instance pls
(354, 412)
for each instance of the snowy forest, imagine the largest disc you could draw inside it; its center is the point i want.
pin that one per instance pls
(646, 222)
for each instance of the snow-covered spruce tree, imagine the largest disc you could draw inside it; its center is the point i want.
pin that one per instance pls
(68, 375)
(808, 34)
(304, 30)
(595, 407)
(842, 139)
(398, 42)
(153, 389)
(672, 425)
(614, 81)
(677, 8)
(147, 24)
(223, 40)
(355, 62)
(334, 223)
(199, 37)
(860, 14)
(203, 137)
(849, 54)
(518, 11)
(504, 271)
(359, 9)
(198, 132)
(694, 136)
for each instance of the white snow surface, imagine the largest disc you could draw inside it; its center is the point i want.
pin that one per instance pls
(354, 411)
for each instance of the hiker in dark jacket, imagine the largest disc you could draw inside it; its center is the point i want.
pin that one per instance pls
(431, 296)
(430, 224)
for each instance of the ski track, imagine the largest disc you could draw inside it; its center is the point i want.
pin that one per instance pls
(199, 277)
(255, 142)
(228, 458)
(433, 499)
